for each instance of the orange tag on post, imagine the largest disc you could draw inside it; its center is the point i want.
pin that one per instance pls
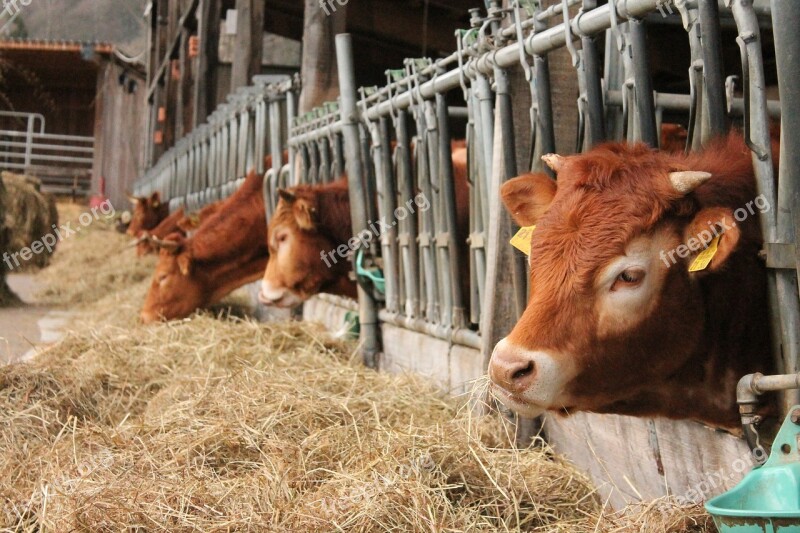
(702, 261)
(522, 240)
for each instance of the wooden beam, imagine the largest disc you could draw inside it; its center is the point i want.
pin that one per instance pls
(206, 81)
(318, 69)
(249, 40)
(173, 42)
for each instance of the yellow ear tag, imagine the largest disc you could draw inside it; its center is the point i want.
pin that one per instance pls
(702, 261)
(522, 240)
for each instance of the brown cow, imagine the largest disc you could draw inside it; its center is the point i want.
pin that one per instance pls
(314, 220)
(148, 212)
(615, 322)
(144, 244)
(177, 222)
(227, 251)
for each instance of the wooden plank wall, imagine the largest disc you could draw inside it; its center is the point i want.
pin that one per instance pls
(120, 118)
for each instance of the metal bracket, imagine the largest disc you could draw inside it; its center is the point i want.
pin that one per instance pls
(779, 255)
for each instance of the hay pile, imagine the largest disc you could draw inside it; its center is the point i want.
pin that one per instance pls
(93, 264)
(29, 215)
(213, 424)
(217, 426)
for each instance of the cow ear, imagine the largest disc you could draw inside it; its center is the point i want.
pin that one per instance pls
(707, 225)
(304, 214)
(527, 197)
(155, 200)
(185, 264)
(286, 196)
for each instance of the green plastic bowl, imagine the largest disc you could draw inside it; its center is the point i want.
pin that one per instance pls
(767, 500)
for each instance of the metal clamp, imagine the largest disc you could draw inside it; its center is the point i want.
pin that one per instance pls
(743, 40)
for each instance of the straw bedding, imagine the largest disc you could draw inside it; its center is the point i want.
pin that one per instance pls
(222, 424)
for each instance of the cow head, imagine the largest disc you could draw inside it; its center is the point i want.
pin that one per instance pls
(299, 236)
(176, 290)
(612, 308)
(146, 213)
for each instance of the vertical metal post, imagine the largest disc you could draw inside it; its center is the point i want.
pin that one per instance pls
(714, 83)
(386, 196)
(505, 115)
(590, 58)
(291, 112)
(453, 245)
(781, 284)
(644, 85)
(367, 307)
(29, 142)
(407, 238)
(275, 145)
(785, 14)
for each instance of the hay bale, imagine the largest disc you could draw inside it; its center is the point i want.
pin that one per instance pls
(7, 296)
(29, 214)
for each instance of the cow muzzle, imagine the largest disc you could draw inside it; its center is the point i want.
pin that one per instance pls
(277, 296)
(525, 381)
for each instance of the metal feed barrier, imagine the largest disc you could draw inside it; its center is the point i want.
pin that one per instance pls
(210, 163)
(62, 162)
(394, 142)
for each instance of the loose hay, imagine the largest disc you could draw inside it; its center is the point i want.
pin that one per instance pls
(29, 214)
(92, 264)
(229, 425)
(214, 426)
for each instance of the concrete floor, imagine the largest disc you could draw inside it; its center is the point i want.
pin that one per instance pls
(24, 327)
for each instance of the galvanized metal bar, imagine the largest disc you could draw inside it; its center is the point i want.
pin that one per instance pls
(781, 284)
(408, 228)
(450, 243)
(643, 86)
(713, 73)
(275, 149)
(594, 22)
(459, 336)
(785, 14)
(505, 114)
(590, 63)
(441, 237)
(682, 102)
(368, 310)
(385, 185)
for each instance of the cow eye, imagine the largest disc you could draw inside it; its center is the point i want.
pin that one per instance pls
(282, 237)
(630, 277)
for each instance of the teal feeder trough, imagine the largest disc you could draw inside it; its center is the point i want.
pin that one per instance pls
(768, 498)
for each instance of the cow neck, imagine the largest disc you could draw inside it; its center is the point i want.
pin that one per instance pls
(333, 212)
(228, 277)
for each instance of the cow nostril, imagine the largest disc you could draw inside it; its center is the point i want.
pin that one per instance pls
(523, 372)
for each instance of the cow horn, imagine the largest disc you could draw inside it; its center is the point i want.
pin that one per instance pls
(688, 180)
(170, 246)
(554, 161)
(137, 241)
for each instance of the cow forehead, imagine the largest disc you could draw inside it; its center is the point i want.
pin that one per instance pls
(584, 229)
